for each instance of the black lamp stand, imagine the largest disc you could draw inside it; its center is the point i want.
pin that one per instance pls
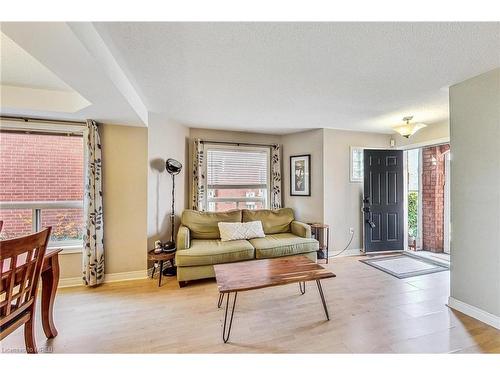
(173, 167)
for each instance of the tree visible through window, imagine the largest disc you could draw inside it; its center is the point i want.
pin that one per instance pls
(237, 177)
(42, 185)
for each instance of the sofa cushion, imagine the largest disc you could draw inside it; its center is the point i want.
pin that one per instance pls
(208, 252)
(273, 221)
(204, 225)
(283, 244)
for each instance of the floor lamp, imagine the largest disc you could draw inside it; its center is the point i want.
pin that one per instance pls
(173, 167)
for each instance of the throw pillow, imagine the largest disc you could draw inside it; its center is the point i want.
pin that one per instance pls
(240, 231)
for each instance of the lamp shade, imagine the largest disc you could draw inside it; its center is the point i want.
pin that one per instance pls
(173, 166)
(408, 130)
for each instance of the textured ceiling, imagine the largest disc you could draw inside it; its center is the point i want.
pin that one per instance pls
(279, 77)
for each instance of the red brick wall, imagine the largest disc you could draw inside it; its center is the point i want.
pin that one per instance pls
(231, 193)
(433, 197)
(41, 168)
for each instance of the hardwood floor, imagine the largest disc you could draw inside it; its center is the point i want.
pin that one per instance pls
(371, 312)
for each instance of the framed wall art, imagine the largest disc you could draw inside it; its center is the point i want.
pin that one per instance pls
(300, 175)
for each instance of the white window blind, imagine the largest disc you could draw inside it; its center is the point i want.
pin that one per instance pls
(235, 167)
(237, 178)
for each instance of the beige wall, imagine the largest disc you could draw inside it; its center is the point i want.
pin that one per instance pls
(70, 265)
(165, 140)
(438, 132)
(342, 198)
(307, 209)
(124, 158)
(475, 192)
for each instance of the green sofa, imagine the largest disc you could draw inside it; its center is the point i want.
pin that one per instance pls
(199, 246)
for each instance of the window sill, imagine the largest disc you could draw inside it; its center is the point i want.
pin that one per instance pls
(74, 249)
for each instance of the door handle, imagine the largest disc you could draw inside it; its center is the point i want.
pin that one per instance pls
(371, 223)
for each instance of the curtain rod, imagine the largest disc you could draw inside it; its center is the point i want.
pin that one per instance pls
(236, 143)
(42, 120)
(37, 132)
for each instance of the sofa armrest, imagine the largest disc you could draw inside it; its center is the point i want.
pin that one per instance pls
(301, 229)
(183, 238)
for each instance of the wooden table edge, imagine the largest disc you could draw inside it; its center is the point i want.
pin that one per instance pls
(320, 277)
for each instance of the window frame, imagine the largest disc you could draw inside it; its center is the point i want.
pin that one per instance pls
(47, 128)
(266, 201)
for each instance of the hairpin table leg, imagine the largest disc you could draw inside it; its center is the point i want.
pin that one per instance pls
(221, 299)
(225, 335)
(320, 289)
(302, 287)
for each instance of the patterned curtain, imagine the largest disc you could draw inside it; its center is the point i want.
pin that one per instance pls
(93, 254)
(275, 177)
(199, 182)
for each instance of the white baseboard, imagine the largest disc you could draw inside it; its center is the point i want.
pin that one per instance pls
(474, 312)
(347, 253)
(70, 281)
(124, 276)
(108, 278)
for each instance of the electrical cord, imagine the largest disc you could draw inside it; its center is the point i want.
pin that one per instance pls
(346, 247)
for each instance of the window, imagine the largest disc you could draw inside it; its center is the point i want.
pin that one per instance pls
(356, 164)
(414, 206)
(237, 177)
(42, 185)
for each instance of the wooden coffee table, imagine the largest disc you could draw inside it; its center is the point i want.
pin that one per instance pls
(256, 274)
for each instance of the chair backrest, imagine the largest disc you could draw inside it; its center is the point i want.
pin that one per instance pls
(20, 268)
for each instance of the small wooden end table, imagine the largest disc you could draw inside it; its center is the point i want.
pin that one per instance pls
(263, 273)
(160, 257)
(318, 232)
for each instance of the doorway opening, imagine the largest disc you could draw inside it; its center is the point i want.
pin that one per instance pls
(428, 202)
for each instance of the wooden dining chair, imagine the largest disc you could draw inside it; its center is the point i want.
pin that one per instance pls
(20, 267)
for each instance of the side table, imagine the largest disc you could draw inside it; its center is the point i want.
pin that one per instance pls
(321, 232)
(160, 257)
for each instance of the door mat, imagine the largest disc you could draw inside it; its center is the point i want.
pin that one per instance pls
(404, 265)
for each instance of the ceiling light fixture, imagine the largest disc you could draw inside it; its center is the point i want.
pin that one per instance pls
(408, 129)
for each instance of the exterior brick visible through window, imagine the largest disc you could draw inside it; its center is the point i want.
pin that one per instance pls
(35, 167)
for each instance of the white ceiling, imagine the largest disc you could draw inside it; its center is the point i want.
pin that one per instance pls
(21, 69)
(77, 58)
(25, 83)
(270, 77)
